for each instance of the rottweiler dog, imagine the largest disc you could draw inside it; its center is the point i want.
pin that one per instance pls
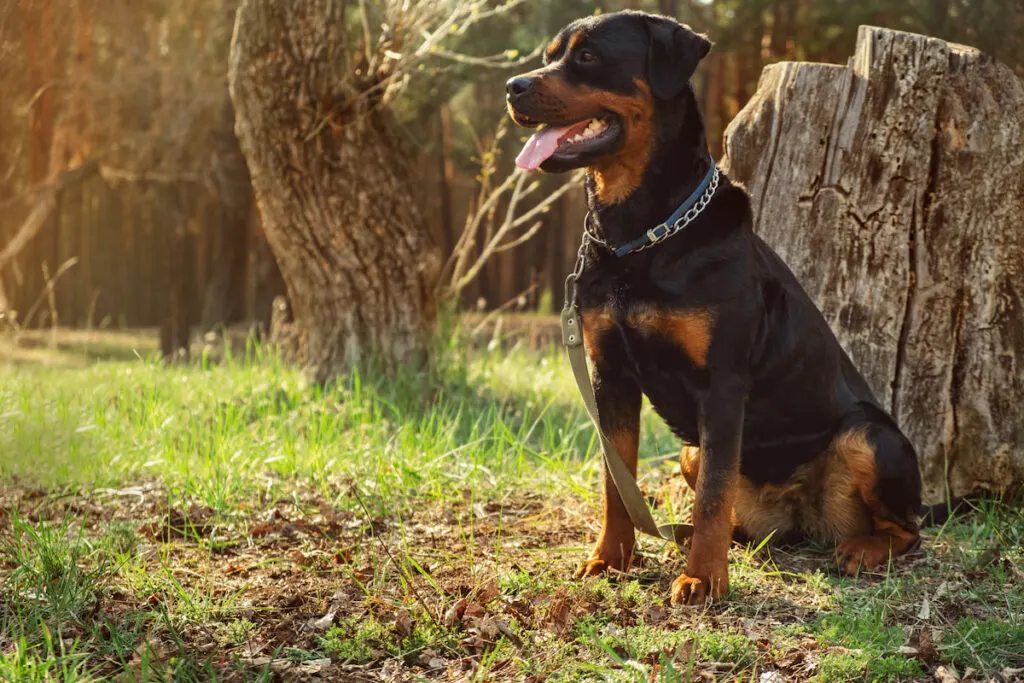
(784, 438)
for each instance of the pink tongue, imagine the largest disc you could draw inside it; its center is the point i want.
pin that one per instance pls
(539, 147)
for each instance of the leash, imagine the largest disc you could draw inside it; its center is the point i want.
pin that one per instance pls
(572, 337)
(629, 491)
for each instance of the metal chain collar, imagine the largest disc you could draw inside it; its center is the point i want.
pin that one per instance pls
(655, 235)
(685, 219)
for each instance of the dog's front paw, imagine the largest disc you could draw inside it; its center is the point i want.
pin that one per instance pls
(698, 589)
(606, 560)
(594, 567)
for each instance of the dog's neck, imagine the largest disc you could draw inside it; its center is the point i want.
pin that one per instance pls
(678, 162)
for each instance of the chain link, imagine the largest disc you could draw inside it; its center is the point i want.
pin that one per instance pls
(587, 236)
(676, 227)
(687, 217)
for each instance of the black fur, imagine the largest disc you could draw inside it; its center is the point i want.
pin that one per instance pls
(777, 387)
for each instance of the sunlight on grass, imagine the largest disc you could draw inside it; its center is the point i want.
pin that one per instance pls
(224, 433)
(221, 434)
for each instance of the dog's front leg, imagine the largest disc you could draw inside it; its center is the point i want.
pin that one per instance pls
(618, 404)
(721, 433)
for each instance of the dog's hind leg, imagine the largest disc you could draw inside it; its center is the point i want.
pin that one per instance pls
(882, 467)
(689, 463)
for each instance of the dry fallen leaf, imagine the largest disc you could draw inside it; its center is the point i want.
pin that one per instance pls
(558, 610)
(454, 614)
(403, 624)
(926, 609)
(487, 592)
(324, 622)
(313, 666)
(487, 628)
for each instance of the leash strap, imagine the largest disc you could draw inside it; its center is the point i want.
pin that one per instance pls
(625, 484)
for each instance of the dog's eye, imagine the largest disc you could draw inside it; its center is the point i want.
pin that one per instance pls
(586, 57)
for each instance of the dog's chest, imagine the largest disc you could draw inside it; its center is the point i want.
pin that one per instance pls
(666, 351)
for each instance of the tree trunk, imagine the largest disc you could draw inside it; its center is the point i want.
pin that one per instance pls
(42, 55)
(224, 301)
(893, 189)
(333, 187)
(174, 323)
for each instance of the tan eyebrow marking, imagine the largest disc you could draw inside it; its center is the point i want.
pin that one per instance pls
(576, 39)
(554, 47)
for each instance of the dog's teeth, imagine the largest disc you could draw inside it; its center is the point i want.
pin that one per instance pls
(593, 129)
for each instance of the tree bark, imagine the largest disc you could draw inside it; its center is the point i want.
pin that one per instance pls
(333, 187)
(893, 189)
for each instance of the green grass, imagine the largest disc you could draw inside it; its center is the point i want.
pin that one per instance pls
(225, 522)
(222, 434)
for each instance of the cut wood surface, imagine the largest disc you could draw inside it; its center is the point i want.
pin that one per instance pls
(894, 189)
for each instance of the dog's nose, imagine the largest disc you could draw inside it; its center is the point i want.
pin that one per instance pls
(518, 86)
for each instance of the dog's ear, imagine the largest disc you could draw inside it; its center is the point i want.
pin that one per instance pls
(673, 55)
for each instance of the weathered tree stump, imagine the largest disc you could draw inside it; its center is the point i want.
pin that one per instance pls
(894, 189)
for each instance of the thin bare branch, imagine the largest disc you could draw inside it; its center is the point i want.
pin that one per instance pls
(120, 175)
(500, 61)
(530, 232)
(503, 238)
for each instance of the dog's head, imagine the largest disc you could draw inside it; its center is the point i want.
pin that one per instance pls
(595, 102)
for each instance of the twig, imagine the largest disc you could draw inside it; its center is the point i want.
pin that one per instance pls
(401, 567)
(503, 238)
(499, 61)
(367, 41)
(492, 315)
(428, 20)
(50, 284)
(51, 299)
(116, 175)
(27, 107)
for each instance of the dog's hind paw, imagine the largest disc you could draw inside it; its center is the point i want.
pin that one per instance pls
(868, 553)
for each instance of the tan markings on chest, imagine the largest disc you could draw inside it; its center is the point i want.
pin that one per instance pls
(691, 329)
